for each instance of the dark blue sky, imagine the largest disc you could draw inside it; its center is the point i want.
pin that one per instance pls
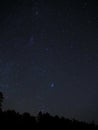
(49, 57)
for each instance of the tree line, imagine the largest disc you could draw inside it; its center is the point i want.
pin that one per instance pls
(11, 119)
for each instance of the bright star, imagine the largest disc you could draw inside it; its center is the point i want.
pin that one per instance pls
(52, 85)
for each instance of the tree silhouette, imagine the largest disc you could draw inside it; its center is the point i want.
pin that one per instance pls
(11, 119)
(1, 100)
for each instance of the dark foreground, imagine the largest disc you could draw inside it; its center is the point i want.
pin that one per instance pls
(12, 120)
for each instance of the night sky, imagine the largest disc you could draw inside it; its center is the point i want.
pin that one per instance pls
(49, 57)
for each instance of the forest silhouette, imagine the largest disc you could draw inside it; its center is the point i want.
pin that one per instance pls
(11, 119)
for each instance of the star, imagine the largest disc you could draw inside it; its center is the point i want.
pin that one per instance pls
(52, 85)
(46, 49)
